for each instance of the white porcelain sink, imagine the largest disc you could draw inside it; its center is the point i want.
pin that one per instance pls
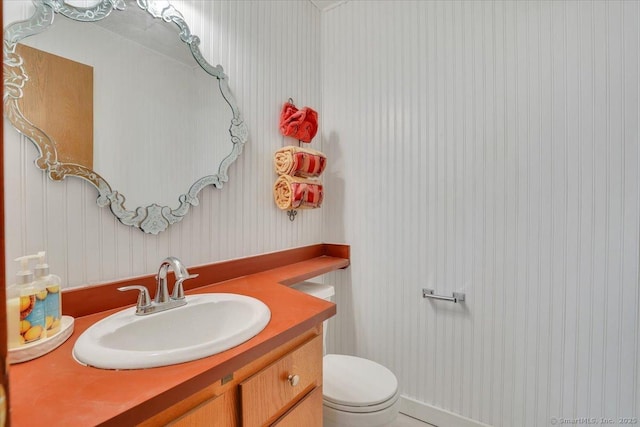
(208, 324)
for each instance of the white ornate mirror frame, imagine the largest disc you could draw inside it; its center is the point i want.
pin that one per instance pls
(150, 219)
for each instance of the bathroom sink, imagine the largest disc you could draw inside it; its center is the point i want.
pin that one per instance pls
(206, 325)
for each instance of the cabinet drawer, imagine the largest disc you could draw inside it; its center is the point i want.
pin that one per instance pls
(269, 393)
(307, 412)
(219, 411)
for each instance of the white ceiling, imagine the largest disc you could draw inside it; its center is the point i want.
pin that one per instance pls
(327, 4)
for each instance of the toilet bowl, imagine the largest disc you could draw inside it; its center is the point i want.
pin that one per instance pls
(356, 392)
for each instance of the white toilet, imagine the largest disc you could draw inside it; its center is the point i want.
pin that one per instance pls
(356, 392)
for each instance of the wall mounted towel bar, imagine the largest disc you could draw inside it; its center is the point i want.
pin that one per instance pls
(457, 296)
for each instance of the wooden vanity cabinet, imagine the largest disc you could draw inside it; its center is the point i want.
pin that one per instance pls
(282, 388)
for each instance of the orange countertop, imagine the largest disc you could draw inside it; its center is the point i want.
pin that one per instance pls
(55, 390)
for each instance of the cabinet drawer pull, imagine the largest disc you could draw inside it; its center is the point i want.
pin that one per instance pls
(293, 380)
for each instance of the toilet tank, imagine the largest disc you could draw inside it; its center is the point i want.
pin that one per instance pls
(318, 290)
(322, 291)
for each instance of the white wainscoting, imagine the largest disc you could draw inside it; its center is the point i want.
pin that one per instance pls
(270, 51)
(488, 147)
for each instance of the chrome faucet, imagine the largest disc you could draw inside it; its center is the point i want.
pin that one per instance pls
(162, 290)
(162, 301)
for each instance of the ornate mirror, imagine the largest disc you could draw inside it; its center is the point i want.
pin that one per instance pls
(117, 92)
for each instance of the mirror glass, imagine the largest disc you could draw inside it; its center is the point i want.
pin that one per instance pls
(164, 121)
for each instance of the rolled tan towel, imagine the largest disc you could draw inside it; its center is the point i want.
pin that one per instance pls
(298, 161)
(291, 192)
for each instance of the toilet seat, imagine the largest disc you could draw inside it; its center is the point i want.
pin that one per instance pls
(363, 409)
(357, 385)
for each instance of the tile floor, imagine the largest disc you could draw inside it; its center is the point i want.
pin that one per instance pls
(405, 421)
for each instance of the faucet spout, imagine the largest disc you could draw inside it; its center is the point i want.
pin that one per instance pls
(162, 289)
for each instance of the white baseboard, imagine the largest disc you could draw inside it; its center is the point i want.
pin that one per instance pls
(434, 415)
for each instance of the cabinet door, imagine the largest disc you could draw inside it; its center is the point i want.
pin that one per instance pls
(307, 412)
(219, 411)
(275, 389)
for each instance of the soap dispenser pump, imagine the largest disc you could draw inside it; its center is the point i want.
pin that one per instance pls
(49, 286)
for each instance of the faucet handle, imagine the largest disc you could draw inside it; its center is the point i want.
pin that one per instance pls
(144, 300)
(178, 290)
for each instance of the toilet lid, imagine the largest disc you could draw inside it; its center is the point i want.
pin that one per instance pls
(353, 381)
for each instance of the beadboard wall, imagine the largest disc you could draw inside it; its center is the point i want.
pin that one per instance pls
(489, 148)
(484, 147)
(270, 51)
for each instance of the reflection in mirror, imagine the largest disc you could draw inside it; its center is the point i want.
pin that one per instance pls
(164, 121)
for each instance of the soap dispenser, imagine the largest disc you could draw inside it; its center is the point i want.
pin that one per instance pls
(49, 286)
(25, 307)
